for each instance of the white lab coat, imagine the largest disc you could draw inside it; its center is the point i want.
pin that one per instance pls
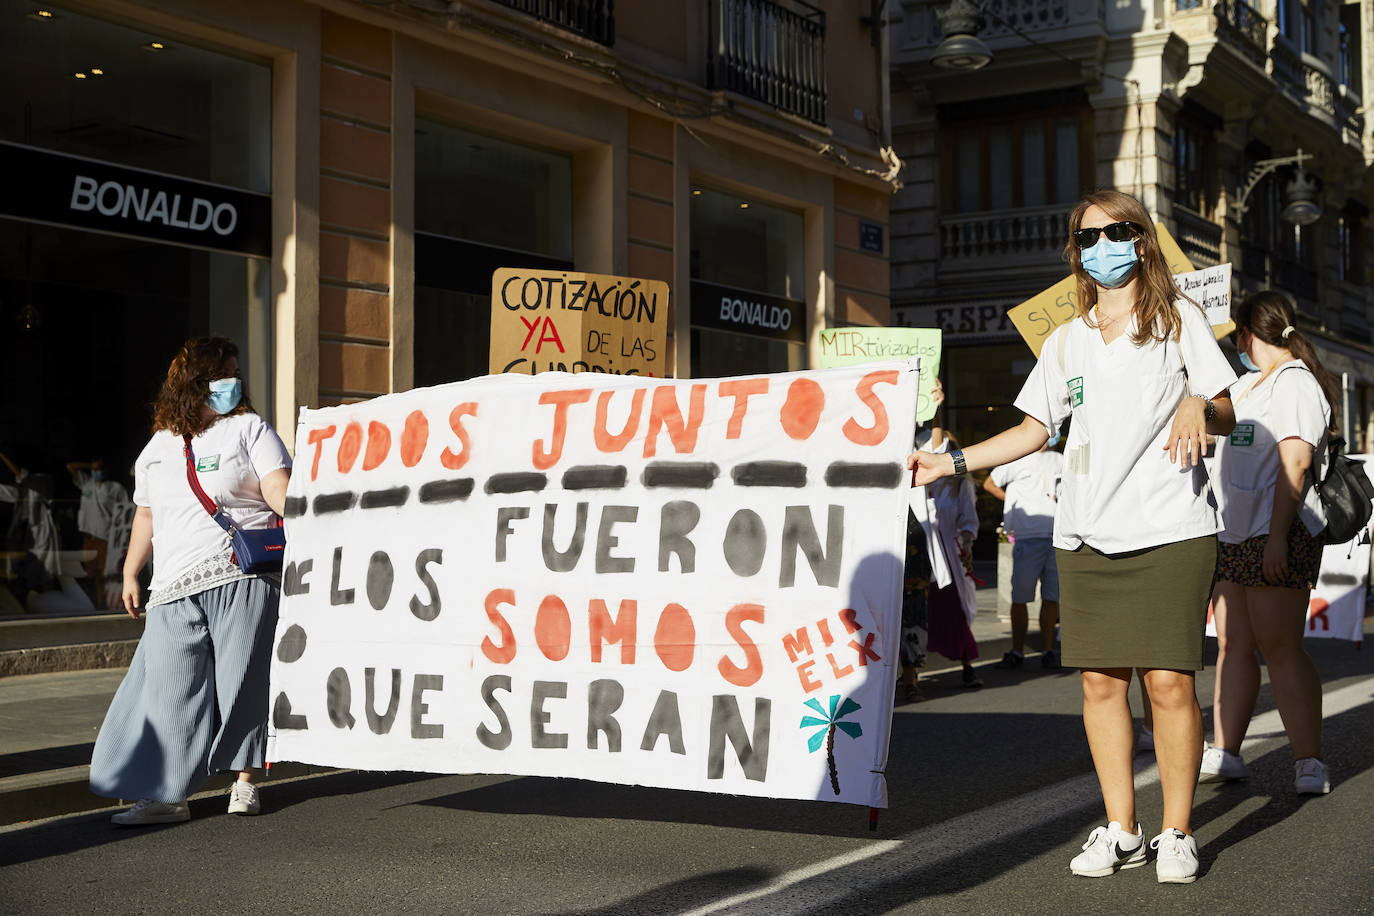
(946, 509)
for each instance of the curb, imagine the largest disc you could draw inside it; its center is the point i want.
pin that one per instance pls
(55, 793)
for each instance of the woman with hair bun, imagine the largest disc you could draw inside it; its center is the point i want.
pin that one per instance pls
(1135, 534)
(194, 702)
(1285, 414)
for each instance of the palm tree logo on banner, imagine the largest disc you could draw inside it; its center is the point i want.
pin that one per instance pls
(826, 734)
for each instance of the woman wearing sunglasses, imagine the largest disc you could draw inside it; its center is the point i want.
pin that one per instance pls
(1136, 532)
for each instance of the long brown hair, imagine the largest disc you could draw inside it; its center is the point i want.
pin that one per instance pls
(179, 404)
(1156, 311)
(1268, 315)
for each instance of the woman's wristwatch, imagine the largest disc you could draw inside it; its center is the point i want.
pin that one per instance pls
(960, 468)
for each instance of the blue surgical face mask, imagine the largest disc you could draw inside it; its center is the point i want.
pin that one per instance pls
(1248, 363)
(1108, 262)
(225, 394)
(1053, 441)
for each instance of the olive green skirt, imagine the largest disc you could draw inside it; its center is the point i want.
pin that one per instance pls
(1142, 609)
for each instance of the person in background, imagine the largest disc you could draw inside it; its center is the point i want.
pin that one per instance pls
(194, 701)
(949, 514)
(1029, 487)
(915, 611)
(1136, 528)
(101, 499)
(1270, 558)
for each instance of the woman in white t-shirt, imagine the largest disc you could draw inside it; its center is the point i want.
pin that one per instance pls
(1285, 411)
(1135, 531)
(195, 699)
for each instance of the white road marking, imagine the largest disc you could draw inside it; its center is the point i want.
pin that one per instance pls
(832, 881)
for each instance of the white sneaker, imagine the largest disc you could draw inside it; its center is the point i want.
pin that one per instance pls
(1220, 765)
(1311, 777)
(1109, 848)
(243, 798)
(1145, 741)
(1176, 857)
(146, 811)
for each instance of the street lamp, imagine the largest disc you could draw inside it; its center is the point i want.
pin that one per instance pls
(1300, 194)
(961, 49)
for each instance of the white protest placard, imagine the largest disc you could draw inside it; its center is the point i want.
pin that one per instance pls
(858, 345)
(690, 584)
(1211, 289)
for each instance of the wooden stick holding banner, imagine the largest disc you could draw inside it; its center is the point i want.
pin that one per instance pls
(855, 346)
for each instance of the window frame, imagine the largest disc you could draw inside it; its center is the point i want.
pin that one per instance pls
(951, 130)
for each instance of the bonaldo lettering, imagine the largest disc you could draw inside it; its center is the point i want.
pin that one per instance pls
(754, 313)
(113, 198)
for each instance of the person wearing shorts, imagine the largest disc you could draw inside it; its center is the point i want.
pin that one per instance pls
(1029, 487)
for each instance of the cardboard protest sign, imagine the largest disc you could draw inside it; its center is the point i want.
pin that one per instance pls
(1211, 289)
(1038, 316)
(690, 584)
(859, 345)
(552, 320)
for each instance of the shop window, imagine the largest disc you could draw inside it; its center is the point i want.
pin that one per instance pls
(1011, 160)
(138, 215)
(481, 203)
(748, 286)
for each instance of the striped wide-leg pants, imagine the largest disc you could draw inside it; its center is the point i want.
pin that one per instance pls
(194, 701)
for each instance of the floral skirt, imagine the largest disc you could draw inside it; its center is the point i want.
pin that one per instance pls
(1243, 563)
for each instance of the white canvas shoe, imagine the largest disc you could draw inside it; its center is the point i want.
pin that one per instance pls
(1176, 857)
(146, 811)
(1220, 765)
(1310, 777)
(1109, 849)
(243, 798)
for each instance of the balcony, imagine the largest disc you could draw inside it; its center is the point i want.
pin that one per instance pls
(1025, 237)
(921, 30)
(594, 19)
(1199, 238)
(767, 52)
(1242, 27)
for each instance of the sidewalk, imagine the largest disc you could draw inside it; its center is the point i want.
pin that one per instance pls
(48, 724)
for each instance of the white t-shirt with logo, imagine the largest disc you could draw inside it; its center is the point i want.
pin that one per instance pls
(1032, 486)
(1120, 490)
(232, 457)
(1288, 404)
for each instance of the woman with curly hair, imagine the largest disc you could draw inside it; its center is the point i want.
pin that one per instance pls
(1135, 534)
(194, 702)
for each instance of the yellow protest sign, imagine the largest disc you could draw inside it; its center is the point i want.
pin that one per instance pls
(850, 346)
(1038, 316)
(554, 320)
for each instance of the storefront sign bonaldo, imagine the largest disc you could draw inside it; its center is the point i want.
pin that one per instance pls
(88, 194)
(724, 308)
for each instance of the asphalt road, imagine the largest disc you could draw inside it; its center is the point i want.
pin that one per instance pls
(991, 795)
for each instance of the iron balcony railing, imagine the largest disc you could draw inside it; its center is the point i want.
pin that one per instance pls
(766, 51)
(594, 19)
(1243, 25)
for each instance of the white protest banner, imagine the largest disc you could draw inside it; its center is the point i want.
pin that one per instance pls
(1211, 289)
(859, 345)
(691, 584)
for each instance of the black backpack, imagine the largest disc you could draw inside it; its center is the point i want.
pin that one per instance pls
(1345, 493)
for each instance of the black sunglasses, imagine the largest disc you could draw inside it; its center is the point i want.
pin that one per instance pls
(1116, 232)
